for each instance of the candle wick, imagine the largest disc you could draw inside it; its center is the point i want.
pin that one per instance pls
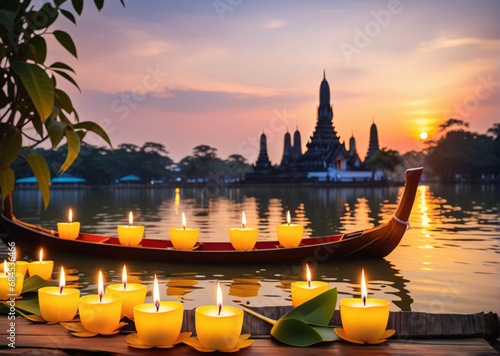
(364, 300)
(220, 308)
(100, 297)
(157, 304)
(184, 228)
(309, 284)
(125, 285)
(61, 289)
(243, 225)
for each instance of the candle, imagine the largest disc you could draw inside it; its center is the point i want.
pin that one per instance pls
(58, 303)
(184, 239)
(22, 267)
(100, 313)
(218, 327)
(11, 283)
(289, 235)
(41, 268)
(303, 291)
(130, 235)
(364, 319)
(158, 324)
(69, 230)
(243, 239)
(131, 294)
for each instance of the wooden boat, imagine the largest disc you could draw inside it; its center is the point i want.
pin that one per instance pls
(376, 242)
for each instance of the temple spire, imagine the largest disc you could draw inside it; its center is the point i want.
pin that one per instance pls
(324, 75)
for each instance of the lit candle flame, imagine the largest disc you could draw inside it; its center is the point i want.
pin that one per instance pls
(124, 277)
(308, 276)
(288, 219)
(219, 297)
(100, 287)
(41, 255)
(130, 219)
(364, 293)
(243, 220)
(62, 280)
(156, 294)
(183, 221)
(70, 216)
(5, 267)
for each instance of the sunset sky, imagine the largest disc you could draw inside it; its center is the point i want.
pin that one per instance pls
(184, 73)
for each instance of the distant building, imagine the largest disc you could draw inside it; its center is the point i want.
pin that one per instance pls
(373, 146)
(263, 165)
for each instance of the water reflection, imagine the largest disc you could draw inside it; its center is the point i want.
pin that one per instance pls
(453, 248)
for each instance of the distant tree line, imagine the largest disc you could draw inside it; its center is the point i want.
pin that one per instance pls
(100, 165)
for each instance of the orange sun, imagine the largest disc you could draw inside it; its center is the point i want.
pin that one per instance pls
(423, 135)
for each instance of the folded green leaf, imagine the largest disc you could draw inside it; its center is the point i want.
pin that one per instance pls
(56, 130)
(295, 332)
(28, 305)
(68, 15)
(66, 41)
(73, 149)
(42, 174)
(95, 128)
(316, 311)
(10, 146)
(7, 180)
(34, 283)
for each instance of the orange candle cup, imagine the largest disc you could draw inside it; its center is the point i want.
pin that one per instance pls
(158, 324)
(289, 235)
(304, 291)
(131, 294)
(21, 267)
(41, 268)
(100, 313)
(58, 303)
(218, 327)
(184, 239)
(11, 283)
(130, 235)
(69, 230)
(364, 319)
(243, 239)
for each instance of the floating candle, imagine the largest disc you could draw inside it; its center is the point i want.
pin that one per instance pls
(58, 303)
(42, 268)
(130, 235)
(243, 239)
(218, 327)
(289, 235)
(364, 319)
(11, 283)
(158, 324)
(303, 291)
(131, 294)
(184, 239)
(69, 230)
(22, 267)
(100, 313)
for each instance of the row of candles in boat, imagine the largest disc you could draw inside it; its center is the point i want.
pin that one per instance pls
(242, 239)
(159, 324)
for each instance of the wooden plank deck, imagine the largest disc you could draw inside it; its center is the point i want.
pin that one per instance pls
(425, 338)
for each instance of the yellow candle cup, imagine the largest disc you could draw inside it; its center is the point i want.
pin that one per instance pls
(290, 235)
(130, 235)
(11, 285)
(158, 328)
(57, 306)
(68, 230)
(22, 267)
(364, 323)
(301, 292)
(184, 239)
(100, 317)
(131, 296)
(243, 239)
(41, 268)
(218, 332)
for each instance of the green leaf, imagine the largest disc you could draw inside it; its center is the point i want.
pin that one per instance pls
(67, 77)
(78, 6)
(38, 125)
(66, 41)
(10, 146)
(38, 48)
(63, 101)
(42, 174)
(56, 131)
(81, 134)
(316, 311)
(99, 4)
(29, 305)
(60, 65)
(6, 21)
(59, 2)
(34, 283)
(7, 180)
(64, 118)
(295, 332)
(326, 333)
(38, 85)
(95, 128)
(68, 15)
(73, 149)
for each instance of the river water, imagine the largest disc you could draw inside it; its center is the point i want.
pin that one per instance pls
(448, 263)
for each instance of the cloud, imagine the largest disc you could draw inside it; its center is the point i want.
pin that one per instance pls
(445, 43)
(275, 24)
